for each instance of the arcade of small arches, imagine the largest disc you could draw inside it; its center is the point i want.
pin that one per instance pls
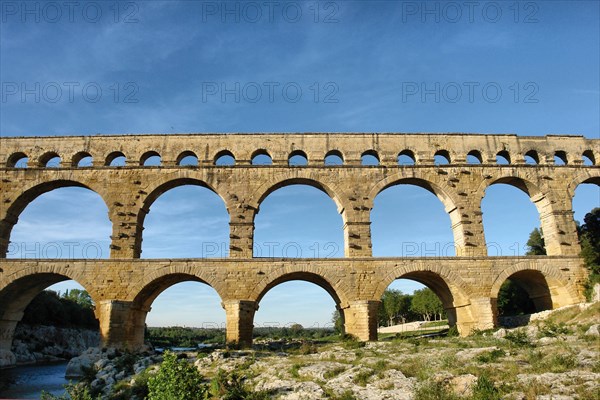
(189, 158)
(124, 286)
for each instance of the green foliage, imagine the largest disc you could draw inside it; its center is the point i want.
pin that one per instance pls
(589, 238)
(535, 244)
(176, 379)
(514, 300)
(177, 336)
(490, 356)
(519, 338)
(485, 389)
(434, 390)
(231, 387)
(338, 323)
(74, 392)
(426, 303)
(552, 329)
(71, 310)
(395, 307)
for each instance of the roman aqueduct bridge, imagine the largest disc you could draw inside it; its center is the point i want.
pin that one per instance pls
(124, 286)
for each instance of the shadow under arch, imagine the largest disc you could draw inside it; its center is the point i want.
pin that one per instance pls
(155, 193)
(543, 285)
(583, 178)
(447, 286)
(16, 296)
(11, 217)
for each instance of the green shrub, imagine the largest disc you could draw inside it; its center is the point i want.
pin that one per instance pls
(490, 356)
(433, 390)
(231, 387)
(176, 379)
(552, 329)
(519, 338)
(485, 389)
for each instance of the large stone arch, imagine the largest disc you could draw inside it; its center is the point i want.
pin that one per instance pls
(27, 195)
(158, 189)
(444, 282)
(21, 288)
(545, 203)
(297, 178)
(547, 286)
(448, 198)
(591, 176)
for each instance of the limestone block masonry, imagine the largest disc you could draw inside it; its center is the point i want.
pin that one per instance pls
(124, 286)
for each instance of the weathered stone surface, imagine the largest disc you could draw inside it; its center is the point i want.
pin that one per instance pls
(124, 286)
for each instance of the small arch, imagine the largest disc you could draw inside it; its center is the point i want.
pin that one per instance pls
(150, 159)
(441, 157)
(588, 158)
(298, 158)
(50, 159)
(333, 158)
(503, 157)
(369, 157)
(17, 160)
(406, 157)
(474, 157)
(224, 158)
(115, 159)
(560, 158)
(532, 157)
(82, 159)
(261, 157)
(187, 158)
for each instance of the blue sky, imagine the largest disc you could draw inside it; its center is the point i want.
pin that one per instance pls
(196, 66)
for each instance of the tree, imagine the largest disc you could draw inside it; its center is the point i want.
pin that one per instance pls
(80, 297)
(176, 379)
(514, 300)
(589, 238)
(426, 303)
(338, 323)
(535, 244)
(395, 305)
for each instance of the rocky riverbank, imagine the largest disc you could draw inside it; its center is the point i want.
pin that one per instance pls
(33, 344)
(555, 357)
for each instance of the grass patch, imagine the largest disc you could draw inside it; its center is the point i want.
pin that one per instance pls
(490, 356)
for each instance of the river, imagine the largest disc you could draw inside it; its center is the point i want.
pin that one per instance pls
(28, 381)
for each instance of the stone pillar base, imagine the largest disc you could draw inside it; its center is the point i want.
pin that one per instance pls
(121, 324)
(239, 321)
(361, 319)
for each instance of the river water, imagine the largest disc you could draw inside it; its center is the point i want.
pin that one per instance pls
(28, 381)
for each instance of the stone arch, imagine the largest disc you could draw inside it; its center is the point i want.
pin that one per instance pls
(534, 154)
(449, 200)
(370, 153)
(543, 201)
(112, 156)
(334, 153)
(22, 288)
(504, 154)
(148, 154)
(144, 294)
(408, 152)
(545, 285)
(223, 153)
(587, 176)
(445, 283)
(77, 157)
(337, 291)
(298, 153)
(260, 152)
(562, 156)
(46, 157)
(28, 195)
(590, 155)
(478, 154)
(289, 179)
(14, 158)
(184, 154)
(445, 154)
(155, 192)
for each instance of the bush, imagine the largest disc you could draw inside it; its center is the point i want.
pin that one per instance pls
(519, 338)
(485, 389)
(176, 379)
